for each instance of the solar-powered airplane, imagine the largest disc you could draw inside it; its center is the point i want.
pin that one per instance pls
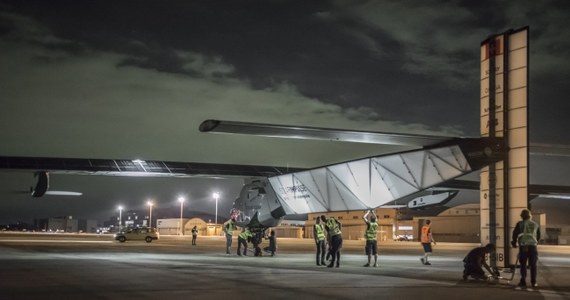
(416, 179)
(360, 184)
(501, 152)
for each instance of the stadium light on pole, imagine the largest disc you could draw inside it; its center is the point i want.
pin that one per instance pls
(216, 196)
(150, 213)
(120, 217)
(181, 200)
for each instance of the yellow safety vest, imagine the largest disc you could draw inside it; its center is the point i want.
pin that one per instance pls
(371, 231)
(244, 235)
(527, 237)
(320, 232)
(333, 227)
(230, 228)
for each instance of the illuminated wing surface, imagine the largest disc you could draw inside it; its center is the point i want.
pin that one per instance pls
(370, 182)
(316, 133)
(137, 167)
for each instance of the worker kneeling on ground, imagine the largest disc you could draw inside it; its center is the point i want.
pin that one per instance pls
(475, 261)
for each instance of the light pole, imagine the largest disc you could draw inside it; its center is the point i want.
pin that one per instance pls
(150, 214)
(181, 199)
(216, 196)
(120, 216)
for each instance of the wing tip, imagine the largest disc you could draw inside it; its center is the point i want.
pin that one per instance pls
(209, 125)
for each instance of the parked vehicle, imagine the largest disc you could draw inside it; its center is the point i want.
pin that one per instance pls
(404, 238)
(146, 234)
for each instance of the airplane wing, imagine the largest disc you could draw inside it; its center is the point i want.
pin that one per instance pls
(315, 133)
(137, 167)
(359, 184)
(42, 166)
(369, 182)
(376, 181)
(63, 193)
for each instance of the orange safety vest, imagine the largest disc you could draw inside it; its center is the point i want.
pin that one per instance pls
(426, 234)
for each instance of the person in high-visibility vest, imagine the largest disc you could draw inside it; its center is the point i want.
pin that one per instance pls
(426, 239)
(319, 235)
(229, 227)
(371, 247)
(244, 237)
(333, 227)
(527, 234)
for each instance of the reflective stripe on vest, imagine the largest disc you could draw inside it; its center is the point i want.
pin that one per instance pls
(528, 234)
(245, 234)
(320, 232)
(426, 238)
(371, 231)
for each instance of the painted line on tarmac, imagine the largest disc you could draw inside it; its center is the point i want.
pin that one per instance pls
(54, 241)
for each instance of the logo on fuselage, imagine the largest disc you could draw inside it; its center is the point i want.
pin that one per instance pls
(301, 188)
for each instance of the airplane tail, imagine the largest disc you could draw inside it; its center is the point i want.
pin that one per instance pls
(42, 184)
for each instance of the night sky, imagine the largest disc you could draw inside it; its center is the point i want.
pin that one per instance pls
(134, 79)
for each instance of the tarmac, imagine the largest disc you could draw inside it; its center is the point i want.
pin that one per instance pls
(76, 266)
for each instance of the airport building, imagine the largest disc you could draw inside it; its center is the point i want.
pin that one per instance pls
(66, 224)
(171, 226)
(460, 224)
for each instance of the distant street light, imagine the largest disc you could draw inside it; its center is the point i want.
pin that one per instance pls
(150, 214)
(216, 196)
(181, 199)
(120, 216)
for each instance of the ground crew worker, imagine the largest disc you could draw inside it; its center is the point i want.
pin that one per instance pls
(194, 235)
(527, 234)
(475, 260)
(243, 238)
(272, 243)
(320, 240)
(371, 247)
(229, 227)
(333, 227)
(256, 239)
(426, 240)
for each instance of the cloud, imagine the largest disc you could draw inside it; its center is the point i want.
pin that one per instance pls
(438, 40)
(93, 83)
(208, 67)
(427, 35)
(549, 34)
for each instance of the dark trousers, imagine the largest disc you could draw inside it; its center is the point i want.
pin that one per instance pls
(336, 241)
(474, 270)
(320, 252)
(193, 239)
(528, 257)
(244, 243)
(228, 243)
